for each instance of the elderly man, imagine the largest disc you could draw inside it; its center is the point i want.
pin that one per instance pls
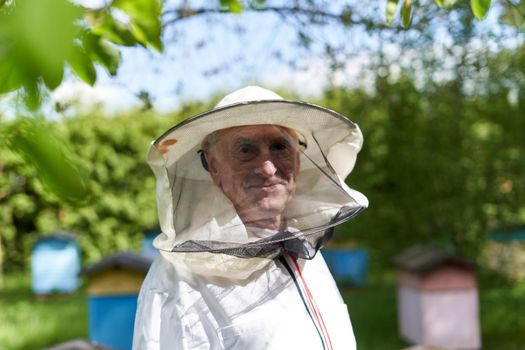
(247, 194)
(255, 167)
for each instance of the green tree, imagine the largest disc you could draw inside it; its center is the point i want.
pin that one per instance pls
(440, 166)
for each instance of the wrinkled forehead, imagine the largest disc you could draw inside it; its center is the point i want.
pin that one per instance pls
(255, 133)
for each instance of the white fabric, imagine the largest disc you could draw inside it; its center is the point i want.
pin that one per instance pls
(246, 94)
(182, 310)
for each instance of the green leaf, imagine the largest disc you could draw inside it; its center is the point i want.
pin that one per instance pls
(446, 4)
(256, 4)
(103, 24)
(82, 65)
(406, 13)
(41, 147)
(102, 52)
(145, 24)
(234, 6)
(32, 96)
(43, 31)
(391, 7)
(480, 8)
(53, 76)
(36, 37)
(514, 14)
(346, 16)
(10, 76)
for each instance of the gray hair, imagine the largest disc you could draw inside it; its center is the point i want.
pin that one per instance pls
(210, 140)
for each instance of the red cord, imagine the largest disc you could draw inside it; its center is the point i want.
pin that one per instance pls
(314, 305)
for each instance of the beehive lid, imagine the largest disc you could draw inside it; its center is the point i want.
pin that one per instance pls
(79, 344)
(420, 259)
(151, 231)
(122, 260)
(516, 234)
(60, 235)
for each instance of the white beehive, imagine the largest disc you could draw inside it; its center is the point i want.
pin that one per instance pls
(437, 299)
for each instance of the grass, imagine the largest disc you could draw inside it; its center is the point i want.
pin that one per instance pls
(29, 324)
(374, 317)
(503, 317)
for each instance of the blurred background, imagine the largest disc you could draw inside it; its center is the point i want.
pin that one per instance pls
(437, 87)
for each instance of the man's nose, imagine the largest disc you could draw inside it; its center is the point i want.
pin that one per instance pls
(267, 168)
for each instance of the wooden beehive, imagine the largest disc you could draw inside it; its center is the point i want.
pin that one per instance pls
(506, 252)
(348, 266)
(437, 299)
(113, 285)
(55, 264)
(147, 247)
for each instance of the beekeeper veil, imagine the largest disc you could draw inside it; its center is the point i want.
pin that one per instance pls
(252, 179)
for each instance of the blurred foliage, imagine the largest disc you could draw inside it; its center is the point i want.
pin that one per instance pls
(39, 144)
(441, 164)
(38, 38)
(110, 154)
(514, 14)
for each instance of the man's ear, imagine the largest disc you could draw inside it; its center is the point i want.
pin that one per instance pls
(212, 167)
(204, 161)
(297, 163)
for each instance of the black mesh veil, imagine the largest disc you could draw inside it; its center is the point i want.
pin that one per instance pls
(274, 183)
(304, 245)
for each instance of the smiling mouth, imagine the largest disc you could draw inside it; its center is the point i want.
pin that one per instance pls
(266, 186)
(269, 188)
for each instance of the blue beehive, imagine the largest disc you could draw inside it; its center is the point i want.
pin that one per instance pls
(147, 247)
(78, 344)
(113, 286)
(348, 266)
(55, 264)
(505, 251)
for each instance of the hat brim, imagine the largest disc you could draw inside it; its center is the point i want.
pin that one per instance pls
(305, 118)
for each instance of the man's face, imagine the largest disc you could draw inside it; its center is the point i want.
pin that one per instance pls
(255, 166)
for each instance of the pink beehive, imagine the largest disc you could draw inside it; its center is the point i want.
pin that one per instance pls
(437, 299)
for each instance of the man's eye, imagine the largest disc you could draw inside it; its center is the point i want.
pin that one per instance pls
(279, 146)
(246, 151)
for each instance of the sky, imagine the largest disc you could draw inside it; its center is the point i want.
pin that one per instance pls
(205, 58)
(202, 58)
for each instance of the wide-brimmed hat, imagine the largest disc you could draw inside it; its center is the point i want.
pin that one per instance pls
(254, 105)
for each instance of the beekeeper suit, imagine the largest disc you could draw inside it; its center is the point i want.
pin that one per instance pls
(247, 194)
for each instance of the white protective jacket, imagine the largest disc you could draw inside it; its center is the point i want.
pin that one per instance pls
(297, 306)
(213, 286)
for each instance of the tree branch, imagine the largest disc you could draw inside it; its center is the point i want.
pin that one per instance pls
(316, 15)
(515, 6)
